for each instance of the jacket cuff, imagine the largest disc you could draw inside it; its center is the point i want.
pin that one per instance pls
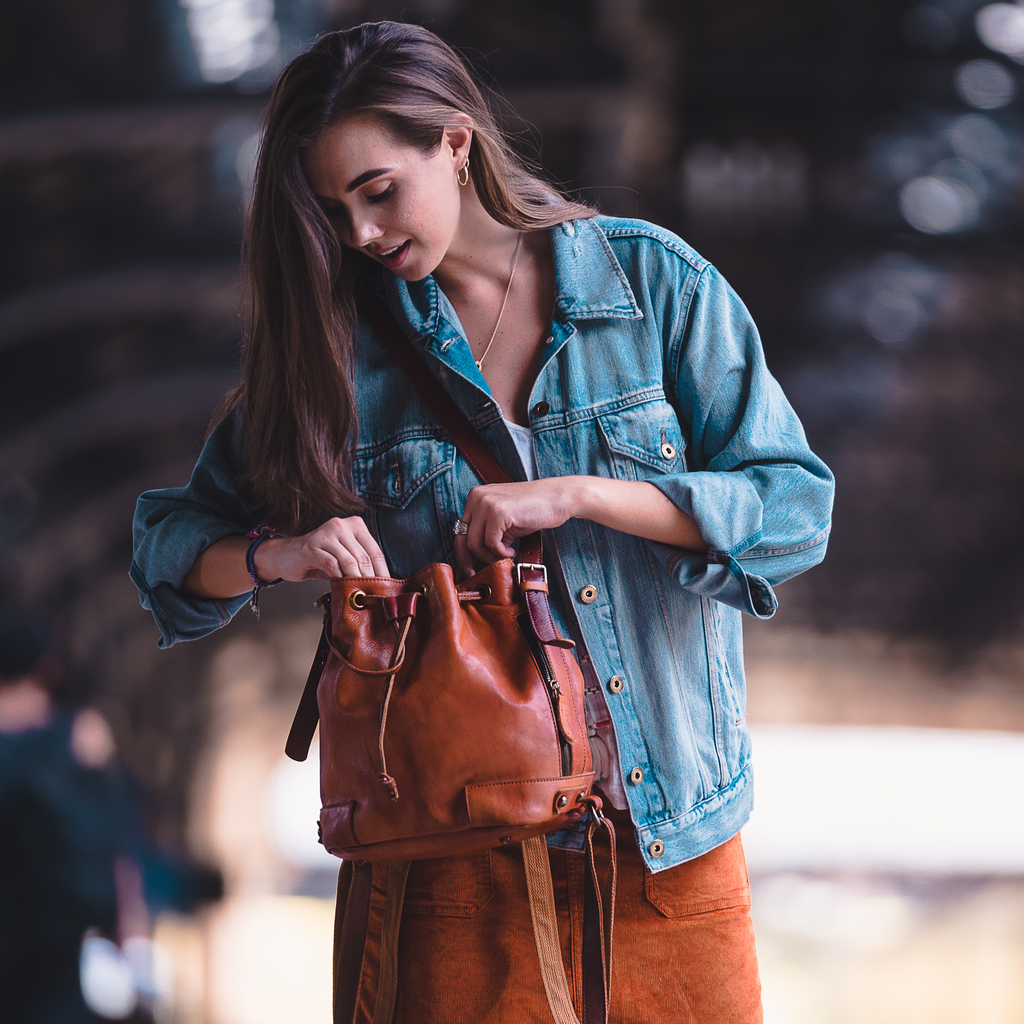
(720, 576)
(183, 618)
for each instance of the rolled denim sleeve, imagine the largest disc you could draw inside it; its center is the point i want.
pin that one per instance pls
(173, 525)
(761, 498)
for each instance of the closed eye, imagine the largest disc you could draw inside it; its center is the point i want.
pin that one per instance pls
(382, 197)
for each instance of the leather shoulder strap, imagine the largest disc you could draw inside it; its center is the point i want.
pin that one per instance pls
(440, 403)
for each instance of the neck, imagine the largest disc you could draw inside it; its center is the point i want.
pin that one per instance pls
(480, 252)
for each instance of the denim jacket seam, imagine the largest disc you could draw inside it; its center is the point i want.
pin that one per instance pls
(819, 537)
(678, 344)
(737, 549)
(697, 263)
(695, 809)
(592, 412)
(374, 451)
(410, 489)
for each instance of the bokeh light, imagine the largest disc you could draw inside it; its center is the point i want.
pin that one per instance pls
(232, 37)
(938, 205)
(985, 84)
(1001, 28)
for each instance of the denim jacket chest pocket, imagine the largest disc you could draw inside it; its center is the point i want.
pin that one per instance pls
(404, 481)
(644, 441)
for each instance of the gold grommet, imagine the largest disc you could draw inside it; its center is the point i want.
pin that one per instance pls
(615, 684)
(485, 592)
(657, 848)
(588, 594)
(636, 776)
(357, 599)
(422, 590)
(562, 801)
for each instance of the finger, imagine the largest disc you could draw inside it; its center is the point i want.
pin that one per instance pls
(352, 558)
(324, 566)
(494, 538)
(463, 559)
(473, 538)
(361, 533)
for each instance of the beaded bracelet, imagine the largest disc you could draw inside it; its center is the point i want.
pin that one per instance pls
(258, 536)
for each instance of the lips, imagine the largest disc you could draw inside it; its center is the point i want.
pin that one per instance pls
(395, 256)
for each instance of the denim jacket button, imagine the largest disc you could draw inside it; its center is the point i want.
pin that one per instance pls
(657, 848)
(541, 409)
(615, 684)
(588, 595)
(668, 450)
(636, 776)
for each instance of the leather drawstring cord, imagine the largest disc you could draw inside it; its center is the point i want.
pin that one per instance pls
(402, 627)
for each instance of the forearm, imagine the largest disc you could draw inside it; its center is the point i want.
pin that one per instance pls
(341, 547)
(219, 571)
(635, 507)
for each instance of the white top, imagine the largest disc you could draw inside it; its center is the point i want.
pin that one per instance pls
(523, 437)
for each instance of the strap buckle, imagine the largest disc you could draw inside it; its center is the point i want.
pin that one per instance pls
(520, 566)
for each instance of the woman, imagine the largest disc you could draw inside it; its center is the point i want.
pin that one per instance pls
(622, 383)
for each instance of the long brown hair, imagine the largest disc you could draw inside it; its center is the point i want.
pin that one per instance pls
(296, 392)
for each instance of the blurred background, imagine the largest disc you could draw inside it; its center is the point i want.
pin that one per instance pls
(852, 167)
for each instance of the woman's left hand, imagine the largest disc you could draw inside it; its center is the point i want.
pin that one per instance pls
(498, 514)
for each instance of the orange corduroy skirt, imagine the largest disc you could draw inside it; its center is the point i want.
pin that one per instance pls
(683, 943)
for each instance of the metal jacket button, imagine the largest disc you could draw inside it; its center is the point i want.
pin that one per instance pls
(657, 848)
(668, 450)
(636, 776)
(588, 594)
(615, 684)
(541, 409)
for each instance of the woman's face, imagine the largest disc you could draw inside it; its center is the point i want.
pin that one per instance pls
(387, 199)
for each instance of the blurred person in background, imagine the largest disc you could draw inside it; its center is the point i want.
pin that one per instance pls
(623, 384)
(68, 839)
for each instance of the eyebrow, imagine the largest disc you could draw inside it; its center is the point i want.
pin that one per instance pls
(365, 177)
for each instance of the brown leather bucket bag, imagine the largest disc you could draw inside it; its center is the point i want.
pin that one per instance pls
(451, 720)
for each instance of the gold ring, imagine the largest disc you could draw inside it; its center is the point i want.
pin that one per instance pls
(461, 528)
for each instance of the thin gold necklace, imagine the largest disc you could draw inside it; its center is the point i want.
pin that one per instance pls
(504, 302)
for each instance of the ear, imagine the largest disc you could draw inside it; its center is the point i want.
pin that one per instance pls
(458, 136)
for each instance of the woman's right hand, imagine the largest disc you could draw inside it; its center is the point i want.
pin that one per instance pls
(341, 547)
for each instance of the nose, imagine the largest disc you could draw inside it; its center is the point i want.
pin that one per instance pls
(365, 229)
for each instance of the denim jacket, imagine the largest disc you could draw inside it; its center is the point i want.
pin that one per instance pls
(653, 371)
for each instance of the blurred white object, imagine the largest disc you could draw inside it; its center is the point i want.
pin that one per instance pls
(985, 84)
(833, 913)
(293, 810)
(151, 967)
(107, 979)
(838, 798)
(938, 206)
(232, 37)
(979, 140)
(1001, 28)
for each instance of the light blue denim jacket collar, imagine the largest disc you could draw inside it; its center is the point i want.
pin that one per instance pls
(589, 285)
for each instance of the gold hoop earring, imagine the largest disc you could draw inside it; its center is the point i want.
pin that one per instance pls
(462, 177)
